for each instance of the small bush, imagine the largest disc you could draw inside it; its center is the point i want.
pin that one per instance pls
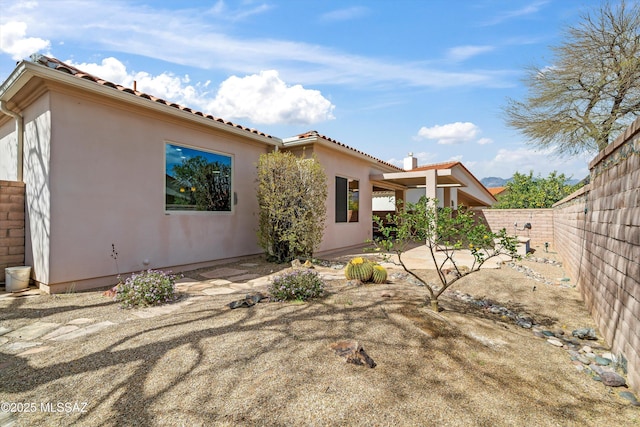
(297, 285)
(146, 288)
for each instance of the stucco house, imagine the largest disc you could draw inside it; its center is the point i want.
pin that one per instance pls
(108, 169)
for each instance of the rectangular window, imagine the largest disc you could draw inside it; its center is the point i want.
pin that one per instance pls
(347, 199)
(197, 180)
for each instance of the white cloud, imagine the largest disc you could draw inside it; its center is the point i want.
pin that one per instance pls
(265, 98)
(522, 159)
(460, 53)
(344, 14)
(529, 9)
(14, 41)
(260, 98)
(485, 141)
(169, 34)
(452, 133)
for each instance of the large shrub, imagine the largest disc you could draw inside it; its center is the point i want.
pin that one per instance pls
(292, 192)
(297, 285)
(146, 288)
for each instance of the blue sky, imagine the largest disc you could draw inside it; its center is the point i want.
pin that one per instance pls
(385, 77)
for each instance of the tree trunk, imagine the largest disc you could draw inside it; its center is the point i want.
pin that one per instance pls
(434, 305)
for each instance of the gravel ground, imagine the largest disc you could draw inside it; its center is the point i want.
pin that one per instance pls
(271, 364)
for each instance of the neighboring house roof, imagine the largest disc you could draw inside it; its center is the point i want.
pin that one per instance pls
(56, 64)
(448, 174)
(313, 135)
(496, 190)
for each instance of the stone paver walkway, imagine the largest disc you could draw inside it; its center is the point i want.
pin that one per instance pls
(37, 336)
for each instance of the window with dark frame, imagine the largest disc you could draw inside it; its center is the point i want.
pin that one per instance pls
(347, 200)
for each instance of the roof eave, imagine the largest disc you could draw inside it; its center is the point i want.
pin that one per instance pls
(26, 70)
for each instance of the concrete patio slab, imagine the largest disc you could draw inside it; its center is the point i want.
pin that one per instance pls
(19, 346)
(80, 321)
(240, 286)
(35, 350)
(91, 329)
(219, 282)
(32, 331)
(222, 273)
(218, 291)
(60, 331)
(243, 277)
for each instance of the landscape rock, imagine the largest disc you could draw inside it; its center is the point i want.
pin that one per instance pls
(585, 334)
(353, 352)
(630, 397)
(555, 342)
(612, 379)
(248, 301)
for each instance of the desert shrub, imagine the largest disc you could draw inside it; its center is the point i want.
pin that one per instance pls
(151, 287)
(292, 192)
(297, 285)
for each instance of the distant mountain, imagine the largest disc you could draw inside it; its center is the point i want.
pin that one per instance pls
(494, 181)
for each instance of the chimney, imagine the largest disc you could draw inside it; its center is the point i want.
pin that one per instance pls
(410, 162)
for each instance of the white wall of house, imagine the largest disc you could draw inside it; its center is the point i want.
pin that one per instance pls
(8, 151)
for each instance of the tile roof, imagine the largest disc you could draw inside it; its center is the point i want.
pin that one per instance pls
(437, 166)
(58, 65)
(496, 190)
(313, 133)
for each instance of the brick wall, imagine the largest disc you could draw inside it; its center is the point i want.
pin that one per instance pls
(602, 246)
(11, 225)
(541, 221)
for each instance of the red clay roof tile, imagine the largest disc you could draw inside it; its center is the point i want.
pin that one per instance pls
(56, 64)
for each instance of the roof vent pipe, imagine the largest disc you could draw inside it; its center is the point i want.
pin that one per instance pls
(19, 137)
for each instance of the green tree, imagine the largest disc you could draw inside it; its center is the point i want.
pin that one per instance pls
(527, 192)
(208, 184)
(292, 192)
(591, 91)
(445, 232)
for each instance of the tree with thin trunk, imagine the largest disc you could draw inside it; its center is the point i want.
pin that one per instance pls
(591, 91)
(445, 232)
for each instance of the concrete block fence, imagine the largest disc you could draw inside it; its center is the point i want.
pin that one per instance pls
(597, 233)
(12, 231)
(513, 220)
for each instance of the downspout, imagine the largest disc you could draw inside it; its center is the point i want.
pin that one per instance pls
(19, 137)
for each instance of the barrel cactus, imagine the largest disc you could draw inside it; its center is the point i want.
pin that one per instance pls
(379, 274)
(359, 268)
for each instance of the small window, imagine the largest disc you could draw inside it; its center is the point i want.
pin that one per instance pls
(347, 199)
(197, 180)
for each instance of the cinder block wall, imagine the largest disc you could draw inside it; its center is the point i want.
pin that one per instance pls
(11, 225)
(602, 246)
(569, 229)
(541, 221)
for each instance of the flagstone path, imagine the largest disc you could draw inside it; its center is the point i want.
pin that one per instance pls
(38, 336)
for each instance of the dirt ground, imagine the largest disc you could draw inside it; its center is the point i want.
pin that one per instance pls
(272, 364)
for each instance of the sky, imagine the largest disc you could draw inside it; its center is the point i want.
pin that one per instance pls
(387, 77)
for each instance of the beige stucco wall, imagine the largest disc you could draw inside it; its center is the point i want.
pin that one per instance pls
(346, 234)
(106, 180)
